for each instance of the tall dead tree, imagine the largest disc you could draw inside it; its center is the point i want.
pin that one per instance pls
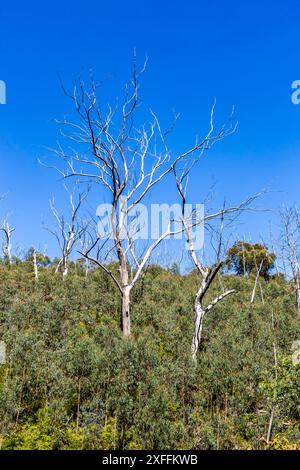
(68, 230)
(35, 266)
(290, 228)
(6, 245)
(207, 274)
(125, 161)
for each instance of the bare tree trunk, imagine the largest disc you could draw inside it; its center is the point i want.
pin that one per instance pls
(124, 274)
(125, 291)
(290, 248)
(68, 250)
(58, 266)
(297, 284)
(66, 268)
(270, 426)
(9, 248)
(126, 326)
(199, 309)
(35, 266)
(6, 247)
(255, 282)
(199, 315)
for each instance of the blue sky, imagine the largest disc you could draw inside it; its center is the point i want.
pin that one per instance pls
(241, 53)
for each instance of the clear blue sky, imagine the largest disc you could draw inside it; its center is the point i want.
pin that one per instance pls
(244, 53)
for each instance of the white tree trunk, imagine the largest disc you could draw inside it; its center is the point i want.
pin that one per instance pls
(255, 282)
(66, 268)
(198, 324)
(7, 246)
(9, 252)
(126, 326)
(201, 311)
(35, 267)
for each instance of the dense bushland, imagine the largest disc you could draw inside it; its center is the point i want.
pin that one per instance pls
(72, 382)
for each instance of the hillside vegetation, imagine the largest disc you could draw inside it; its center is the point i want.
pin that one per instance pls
(71, 381)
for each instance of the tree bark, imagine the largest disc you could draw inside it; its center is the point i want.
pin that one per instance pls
(35, 267)
(65, 267)
(199, 315)
(255, 283)
(201, 311)
(124, 275)
(126, 327)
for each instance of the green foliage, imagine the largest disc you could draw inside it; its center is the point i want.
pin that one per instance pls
(72, 382)
(246, 258)
(42, 260)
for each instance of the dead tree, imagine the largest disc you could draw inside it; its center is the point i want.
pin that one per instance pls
(207, 274)
(35, 266)
(6, 245)
(125, 161)
(68, 231)
(258, 271)
(290, 227)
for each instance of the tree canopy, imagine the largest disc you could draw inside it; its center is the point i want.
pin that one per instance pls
(245, 258)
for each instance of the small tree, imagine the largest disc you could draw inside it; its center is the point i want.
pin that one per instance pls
(37, 260)
(6, 245)
(207, 274)
(68, 231)
(290, 247)
(245, 258)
